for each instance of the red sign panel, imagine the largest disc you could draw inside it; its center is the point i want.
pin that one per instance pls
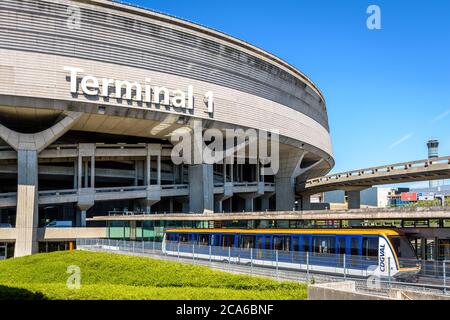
(409, 196)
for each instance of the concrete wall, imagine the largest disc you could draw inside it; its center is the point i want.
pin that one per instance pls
(251, 88)
(345, 290)
(373, 197)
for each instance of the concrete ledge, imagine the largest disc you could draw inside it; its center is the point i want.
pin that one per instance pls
(7, 234)
(71, 233)
(345, 290)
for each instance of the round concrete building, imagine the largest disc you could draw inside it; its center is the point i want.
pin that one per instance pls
(91, 93)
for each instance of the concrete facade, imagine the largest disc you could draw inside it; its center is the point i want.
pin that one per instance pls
(71, 149)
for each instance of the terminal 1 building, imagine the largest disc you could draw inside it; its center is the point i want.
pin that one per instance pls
(91, 93)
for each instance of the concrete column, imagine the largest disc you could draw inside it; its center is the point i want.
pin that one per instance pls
(27, 203)
(80, 170)
(170, 205)
(93, 171)
(249, 204)
(354, 199)
(136, 173)
(86, 174)
(265, 203)
(158, 170)
(306, 202)
(201, 187)
(436, 249)
(132, 230)
(75, 174)
(285, 193)
(81, 218)
(148, 170)
(218, 205)
(423, 248)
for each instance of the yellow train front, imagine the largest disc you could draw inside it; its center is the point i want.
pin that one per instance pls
(355, 252)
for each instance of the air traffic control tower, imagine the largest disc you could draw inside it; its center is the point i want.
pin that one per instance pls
(433, 146)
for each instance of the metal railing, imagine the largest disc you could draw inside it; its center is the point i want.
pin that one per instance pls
(284, 265)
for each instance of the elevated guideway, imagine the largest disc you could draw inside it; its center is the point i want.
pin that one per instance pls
(357, 180)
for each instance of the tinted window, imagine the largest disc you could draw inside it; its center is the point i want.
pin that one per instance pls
(306, 244)
(227, 240)
(341, 246)
(246, 242)
(184, 237)
(402, 247)
(281, 243)
(324, 244)
(203, 239)
(354, 247)
(295, 244)
(370, 247)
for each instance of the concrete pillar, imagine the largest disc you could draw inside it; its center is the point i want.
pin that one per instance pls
(218, 206)
(249, 204)
(133, 230)
(148, 170)
(27, 203)
(86, 174)
(285, 193)
(201, 187)
(306, 202)
(93, 171)
(81, 218)
(75, 174)
(158, 168)
(436, 249)
(354, 199)
(265, 203)
(423, 248)
(80, 170)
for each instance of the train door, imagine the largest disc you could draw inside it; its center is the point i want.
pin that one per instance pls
(305, 246)
(341, 249)
(354, 250)
(267, 246)
(295, 249)
(259, 246)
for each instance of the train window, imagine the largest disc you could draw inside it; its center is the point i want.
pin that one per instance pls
(228, 240)
(370, 247)
(324, 244)
(403, 247)
(306, 244)
(354, 247)
(246, 242)
(203, 239)
(259, 242)
(267, 243)
(281, 243)
(295, 244)
(184, 237)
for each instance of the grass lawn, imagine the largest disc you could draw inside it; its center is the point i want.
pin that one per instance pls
(112, 276)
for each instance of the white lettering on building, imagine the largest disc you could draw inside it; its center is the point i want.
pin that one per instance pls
(132, 90)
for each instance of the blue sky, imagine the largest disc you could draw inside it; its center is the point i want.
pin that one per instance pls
(387, 91)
